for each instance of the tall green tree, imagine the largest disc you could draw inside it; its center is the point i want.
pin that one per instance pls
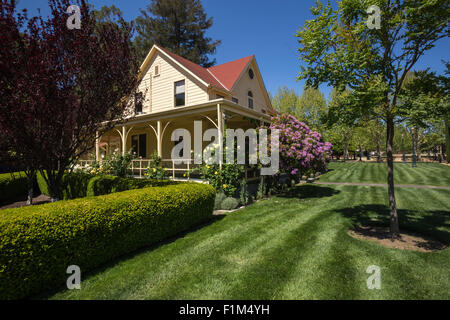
(339, 48)
(312, 108)
(286, 100)
(424, 103)
(341, 125)
(178, 25)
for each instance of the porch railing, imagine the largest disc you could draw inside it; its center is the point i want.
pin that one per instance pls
(174, 168)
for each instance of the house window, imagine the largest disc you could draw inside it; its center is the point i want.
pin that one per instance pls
(251, 74)
(250, 100)
(235, 100)
(180, 96)
(156, 71)
(138, 103)
(139, 145)
(218, 96)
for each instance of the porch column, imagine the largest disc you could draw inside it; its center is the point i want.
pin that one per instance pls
(158, 139)
(220, 135)
(97, 148)
(124, 140)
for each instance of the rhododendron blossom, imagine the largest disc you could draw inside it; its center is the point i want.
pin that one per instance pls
(301, 149)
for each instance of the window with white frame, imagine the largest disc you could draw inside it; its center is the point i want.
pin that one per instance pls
(180, 93)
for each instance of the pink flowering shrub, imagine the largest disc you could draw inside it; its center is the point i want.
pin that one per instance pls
(301, 149)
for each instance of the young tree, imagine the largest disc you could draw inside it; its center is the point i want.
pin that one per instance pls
(178, 25)
(61, 87)
(285, 100)
(424, 102)
(342, 124)
(312, 108)
(340, 49)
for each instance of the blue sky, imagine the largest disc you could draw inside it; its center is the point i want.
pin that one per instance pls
(265, 28)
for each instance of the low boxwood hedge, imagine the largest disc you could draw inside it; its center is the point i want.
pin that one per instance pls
(79, 185)
(38, 243)
(12, 186)
(100, 185)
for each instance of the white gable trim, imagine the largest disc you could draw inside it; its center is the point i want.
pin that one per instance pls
(162, 52)
(217, 79)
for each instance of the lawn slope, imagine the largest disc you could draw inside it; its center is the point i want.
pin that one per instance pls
(433, 174)
(290, 247)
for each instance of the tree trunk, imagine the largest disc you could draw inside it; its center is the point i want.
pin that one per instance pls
(390, 164)
(378, 151)
(447, 138)
(345, 150)
(54, 181)
(31, 174)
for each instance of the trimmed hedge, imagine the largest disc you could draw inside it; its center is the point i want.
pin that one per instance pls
(74, 185)
(79, 185)
(13, 186)
(101, 185)
(38, 243)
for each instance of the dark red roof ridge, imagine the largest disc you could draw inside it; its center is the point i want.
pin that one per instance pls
(223, 76)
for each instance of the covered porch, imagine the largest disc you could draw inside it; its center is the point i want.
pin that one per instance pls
(149, 133)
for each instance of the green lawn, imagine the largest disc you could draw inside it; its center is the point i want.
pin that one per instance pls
(425, 174)
(291, 247)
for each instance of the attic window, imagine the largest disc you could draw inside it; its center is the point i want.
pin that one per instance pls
(156, 70)
(250, 100)
(251, 74)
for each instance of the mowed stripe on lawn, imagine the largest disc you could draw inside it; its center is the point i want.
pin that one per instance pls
(293, 247)
(432, 174)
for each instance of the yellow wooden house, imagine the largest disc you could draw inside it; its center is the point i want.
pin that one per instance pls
(173, 93)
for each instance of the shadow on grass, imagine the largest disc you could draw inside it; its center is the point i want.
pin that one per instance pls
(308, 191)
(49, 293)
(430, 223)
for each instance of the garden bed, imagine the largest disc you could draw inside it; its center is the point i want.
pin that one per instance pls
(405, 240)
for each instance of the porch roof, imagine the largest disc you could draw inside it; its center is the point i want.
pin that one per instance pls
(197, 109)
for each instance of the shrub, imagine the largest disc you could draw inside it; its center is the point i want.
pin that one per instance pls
(74, 185)
(117, 164)
(101, 185)
(229, 204)
(12, 186)
(219, 199)
(38, 243)
(224, 180)
(244, 196)
(155, 169)
(261, 193)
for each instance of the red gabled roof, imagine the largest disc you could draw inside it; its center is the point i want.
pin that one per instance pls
(199, 71)
(222, 76)
(229, 72)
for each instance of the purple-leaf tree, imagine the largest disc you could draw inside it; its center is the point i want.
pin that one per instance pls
(67, 85)
(301, 149)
